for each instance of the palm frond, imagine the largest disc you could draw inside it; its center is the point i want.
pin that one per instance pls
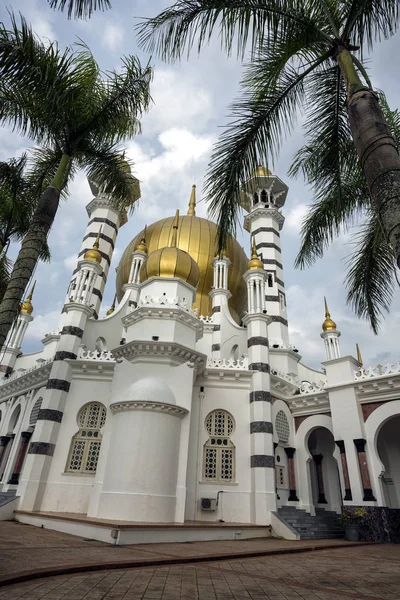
(330, 215)
(122, 98)
(5, 270)
(370, 280)
(79, 9)
(44, 163)
(239, 22)
(108, 167)
(261, 118)
(371, 20)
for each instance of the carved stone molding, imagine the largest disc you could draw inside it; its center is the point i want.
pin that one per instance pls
(161, 407)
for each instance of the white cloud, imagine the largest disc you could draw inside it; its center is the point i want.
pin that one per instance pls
(42, 324)
(294, 218)
(179, 101)
(112, 36)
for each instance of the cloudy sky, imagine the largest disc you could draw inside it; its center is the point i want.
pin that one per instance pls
(191, 101)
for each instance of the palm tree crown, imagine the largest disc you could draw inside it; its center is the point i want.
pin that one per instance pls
(78, 116)
(306, 55)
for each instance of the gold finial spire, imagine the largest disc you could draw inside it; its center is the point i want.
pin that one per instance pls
(328, 324)
(192, 203)
(175, 225)
(94, 253)
(26, 306)
(359, 357)
(254, 262)
(142, 246)
(111, 310)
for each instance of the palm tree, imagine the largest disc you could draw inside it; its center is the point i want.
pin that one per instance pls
(18, 200)
(78, 116)
(80, 9)
(371, 275)
(304, 53)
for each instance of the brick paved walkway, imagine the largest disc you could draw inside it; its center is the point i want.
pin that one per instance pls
(359, 573)
(27, 549)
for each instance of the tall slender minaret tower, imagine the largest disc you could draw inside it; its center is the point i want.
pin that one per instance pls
(261, 429)
(77, 309)
(219, 295)
(330, 335)
(13, 348)
(263, 195)
(101, 211)
(139, 256)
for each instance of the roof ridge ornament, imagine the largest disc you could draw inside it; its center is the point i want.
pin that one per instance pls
(192, 202)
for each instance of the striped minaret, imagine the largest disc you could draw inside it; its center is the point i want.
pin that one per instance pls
(101, 213)
(262, 449)
(139, 256)
(263, 196)
(13, 347)
(220, 295)
(73, 320)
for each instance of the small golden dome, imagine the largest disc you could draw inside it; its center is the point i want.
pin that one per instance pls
(112, 308)
(26, 306)
(142, 246)
(171, 262)
(94, 254)
(262, 171)
(254, 262)
(328, 324)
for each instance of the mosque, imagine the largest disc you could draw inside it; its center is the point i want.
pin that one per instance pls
(186, 413)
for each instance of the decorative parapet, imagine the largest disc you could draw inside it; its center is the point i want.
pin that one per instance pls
(378, 371)
(164, 300)
(224, 363)
(306, 387)
(206, 319)
(95, 355)
(26, 379)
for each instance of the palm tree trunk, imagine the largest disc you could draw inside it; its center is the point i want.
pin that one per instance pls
(31, 248)
(376, 150)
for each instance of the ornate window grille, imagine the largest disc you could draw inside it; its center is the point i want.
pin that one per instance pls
(219, 451)
(86, 443)
(282, 427)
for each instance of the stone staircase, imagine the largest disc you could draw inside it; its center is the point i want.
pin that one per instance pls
(6, 497)
(324, 525)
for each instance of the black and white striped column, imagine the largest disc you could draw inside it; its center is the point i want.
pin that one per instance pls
(262, 460)
(264, 223)
(44, 439)
(102, 214)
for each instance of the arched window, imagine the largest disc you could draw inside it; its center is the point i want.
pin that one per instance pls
(219, 451)
(35, 413)
(235, 352)
(86, 443)
(100, 344)
(263, 195)
(255, 198)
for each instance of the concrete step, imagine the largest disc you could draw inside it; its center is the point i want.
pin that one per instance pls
(322, 525)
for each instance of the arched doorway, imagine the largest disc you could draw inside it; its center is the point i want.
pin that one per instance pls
(325, 483)
(388, 446)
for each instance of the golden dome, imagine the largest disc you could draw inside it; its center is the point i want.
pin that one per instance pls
(94, 254)
(171, 262)
(254, 262)
(198, 237)
(262, 171)
(26, 306)
(328, 324)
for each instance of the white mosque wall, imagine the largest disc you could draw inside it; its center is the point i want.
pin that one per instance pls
(234, 497)
(66, 491)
